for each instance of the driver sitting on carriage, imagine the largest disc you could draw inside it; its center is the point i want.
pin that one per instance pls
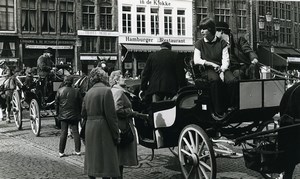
(44, 66)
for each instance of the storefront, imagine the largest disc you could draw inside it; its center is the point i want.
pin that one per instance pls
(98, 46)
(145, 24)
(9, 51)
(64, 53)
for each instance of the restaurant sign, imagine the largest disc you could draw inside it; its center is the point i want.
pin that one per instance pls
(155, 40)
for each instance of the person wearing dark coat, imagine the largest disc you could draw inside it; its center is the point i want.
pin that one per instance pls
(101, 130)
(163, 74)
(68, 107)
(243, 60)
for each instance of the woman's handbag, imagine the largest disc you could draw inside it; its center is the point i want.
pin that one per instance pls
(126, 135)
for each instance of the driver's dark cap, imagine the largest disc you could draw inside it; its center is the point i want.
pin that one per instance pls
(68, 79)
(166, 45)
(223, 26)
(48, 50)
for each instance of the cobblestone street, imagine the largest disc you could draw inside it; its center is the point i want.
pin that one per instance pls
(25, 156)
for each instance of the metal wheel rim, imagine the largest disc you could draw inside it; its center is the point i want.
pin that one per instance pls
(194, 145)
(17, 111)
(34, 117)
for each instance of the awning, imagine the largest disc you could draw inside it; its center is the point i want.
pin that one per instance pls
(153, 48)
(271, 59)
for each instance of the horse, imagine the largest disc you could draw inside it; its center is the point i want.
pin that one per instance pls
(289, 110)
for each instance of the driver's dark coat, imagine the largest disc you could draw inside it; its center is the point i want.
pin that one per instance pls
(163, 73)
(68, 103)
(44, 65)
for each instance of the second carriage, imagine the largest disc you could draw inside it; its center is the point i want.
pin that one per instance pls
(39, 99)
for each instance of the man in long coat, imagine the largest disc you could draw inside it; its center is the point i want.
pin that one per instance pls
(163, 74)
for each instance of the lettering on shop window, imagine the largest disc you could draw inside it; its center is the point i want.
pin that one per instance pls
(138, 39)
(171, 40)
(155, 2)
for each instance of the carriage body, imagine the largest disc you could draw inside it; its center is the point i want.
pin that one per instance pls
(258, 102)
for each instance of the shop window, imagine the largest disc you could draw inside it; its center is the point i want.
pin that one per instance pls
(181, 22)
(28, 18)
(154, 21)
(126, 19)
(168, 21)
(106, 18)
(7, 49)
(107, 45)
(48, 15)
(89, 45)
(7, 20)
(282, 35)
(67, 16)
(88, 15)
(140, 20)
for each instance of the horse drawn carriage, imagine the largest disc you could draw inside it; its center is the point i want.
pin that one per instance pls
(186, 125)
(39, 99)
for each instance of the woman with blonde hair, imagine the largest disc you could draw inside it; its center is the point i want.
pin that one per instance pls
(127, 153)
(101, 132)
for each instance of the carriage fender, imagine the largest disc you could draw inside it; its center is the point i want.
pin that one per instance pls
(164, 118)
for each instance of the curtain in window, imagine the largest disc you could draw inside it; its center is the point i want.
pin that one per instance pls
(52, 19)
(32, 19)
(43, 19)
(12, 46)
(1, 48)
(70, 22)
(10, 16)
(62, 19)
(24, 18)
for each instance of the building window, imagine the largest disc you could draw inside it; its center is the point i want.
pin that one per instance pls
(289, 35)
(275, 9)
(89, 45)
(154, 21)
(126, 19)
(108, 45)
(282, 11)
(181, 22)
(28, 18)
(242, 19)
(48, 15)
(106, 18)
(88, 15)
(140, 20)
(288, 12)
(222, 11)
(7, 22)
(67, 16)
(261, 8)
(7, 49)
(168, 21)
(282, 34)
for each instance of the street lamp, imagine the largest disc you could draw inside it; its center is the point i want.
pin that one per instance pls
(268, 20)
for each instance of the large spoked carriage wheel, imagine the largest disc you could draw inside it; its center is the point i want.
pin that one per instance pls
(196, 155)
(35, 119)
(17, 110)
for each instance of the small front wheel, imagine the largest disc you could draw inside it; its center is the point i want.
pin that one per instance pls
(196, 155)
(35, 119)
(17, 110)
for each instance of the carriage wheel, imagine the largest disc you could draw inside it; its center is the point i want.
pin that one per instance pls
(35, 119)
(196, 155)
(17, 110)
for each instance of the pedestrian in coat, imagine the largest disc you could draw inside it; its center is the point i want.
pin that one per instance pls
(101, 132)
(163, 74)
(68, 106)
(211, 52)
(127, 153)
(10, 85)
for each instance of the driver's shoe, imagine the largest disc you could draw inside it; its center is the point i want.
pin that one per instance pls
(219, 117)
